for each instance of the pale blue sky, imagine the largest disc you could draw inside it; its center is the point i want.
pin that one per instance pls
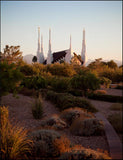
(102, 21)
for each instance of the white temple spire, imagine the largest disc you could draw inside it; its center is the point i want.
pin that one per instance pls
(38, 50)
(83, 53)
(42, 43)
(49, 58)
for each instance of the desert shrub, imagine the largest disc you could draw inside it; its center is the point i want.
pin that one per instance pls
(14, 142)
(87, 127)
(27, 69)
(84, 81)
(36, 82)
(108, 98)
(105, 81)
(115, 75)
(63, 69)
(75, 92)
(60, 83)
(44, 142)
(37, 108)
(116, 107)
(54, 121)
(100, 92)
(116, 121)
(83, 153)
(65, 100)
(69, 115)
(62, 145)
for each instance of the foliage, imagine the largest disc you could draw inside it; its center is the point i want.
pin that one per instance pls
(37, 109)
(62, 69)
(34, 59)
(112, 64)
(27, 69)
(83, 153)
(44, 142)
(14, 143)
(116, 107)
(60, 83)
(11, 54)
(28, 92)
(108, 98)
(35, 82)
(87, 127)
(85, 81)
(116, 121)
(115, 75)
(65, 100)
(55, 121)
(70, 114)
(9, 78)
(105, 81)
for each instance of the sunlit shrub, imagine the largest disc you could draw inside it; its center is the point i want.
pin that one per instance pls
(69, 115)
(63, 69)
(27, 69)
(14, 143)
(100, 92)
(83, 153)
(85, 126)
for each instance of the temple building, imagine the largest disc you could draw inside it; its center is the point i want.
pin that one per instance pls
(67, 55)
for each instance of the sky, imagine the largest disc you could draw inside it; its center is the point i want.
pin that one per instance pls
(102, 21)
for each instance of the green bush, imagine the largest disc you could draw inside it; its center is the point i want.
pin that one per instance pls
(36, 82)
(116, 121)
(65, 100)
(37, 109)
(63, 69)
(105, 81)
(115, 75)
(108, 98)
(27, 70)
(84, 81)
(87, 127)
(60, 83)
(44, 142)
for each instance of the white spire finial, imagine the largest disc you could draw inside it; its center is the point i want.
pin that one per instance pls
(70, 41)
(41, 43)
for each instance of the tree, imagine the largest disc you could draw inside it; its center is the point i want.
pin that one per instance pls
(10, 76)
(34, 59)
(11, 54)
(112, 64)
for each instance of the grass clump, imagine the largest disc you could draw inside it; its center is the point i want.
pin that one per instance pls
(37, 108)
(116, 121)
(14, 142)
(85, 126)
(116, 107)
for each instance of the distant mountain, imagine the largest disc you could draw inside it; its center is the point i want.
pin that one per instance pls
(119, 63)
(28, 58)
